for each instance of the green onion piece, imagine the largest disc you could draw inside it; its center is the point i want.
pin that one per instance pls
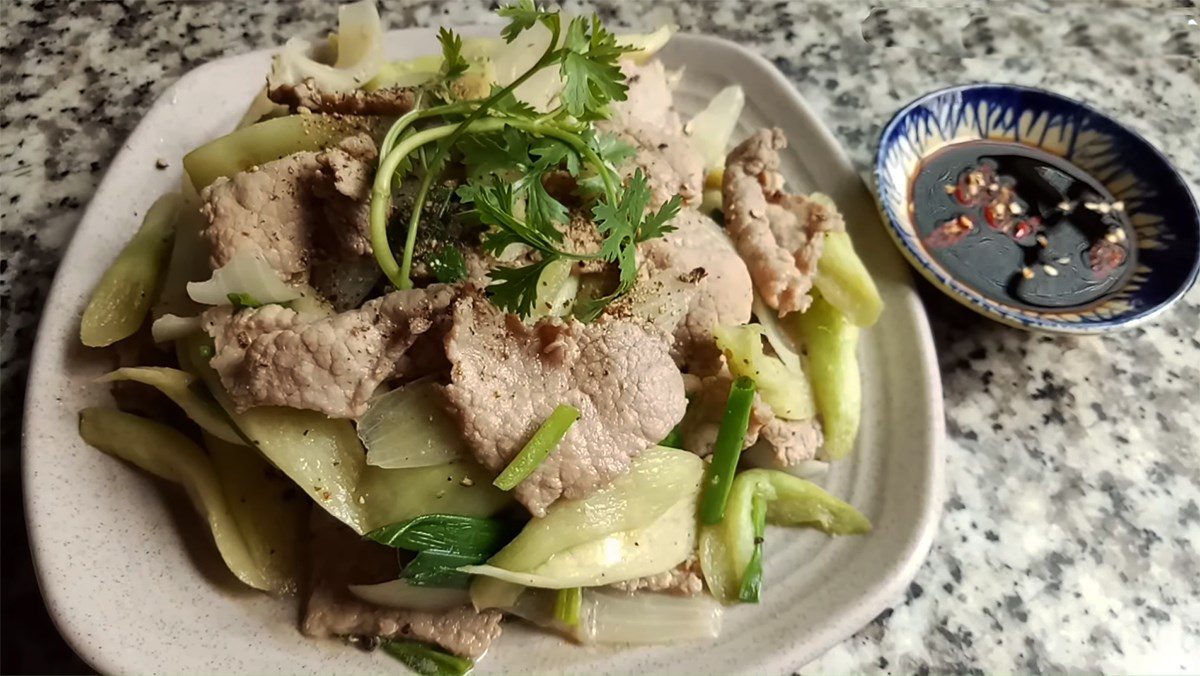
(243, 300)
(567, 604)
(674, 439)
(728, 448)
(438, 569)
(449, 533)
(427, 660)
(543, 441)
(752, 578)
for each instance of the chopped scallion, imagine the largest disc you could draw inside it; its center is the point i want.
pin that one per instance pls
(427, 660)
(719, 477)
(752, 577)
(567, 604)
(543, 441)
(450, 533)
(438, 569)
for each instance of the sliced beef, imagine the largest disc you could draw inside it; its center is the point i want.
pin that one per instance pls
(342, 185)
(791, 441)
(647, 121)
(506, 378)
(341, 558)
(683, 580)
(295, 210)
(778, 235)
(723, 296)
(392, 101)
(271, 356)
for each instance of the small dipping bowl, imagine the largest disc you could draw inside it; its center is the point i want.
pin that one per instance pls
(1036, 210)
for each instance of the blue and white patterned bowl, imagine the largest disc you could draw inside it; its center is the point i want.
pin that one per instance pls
(1160, 206)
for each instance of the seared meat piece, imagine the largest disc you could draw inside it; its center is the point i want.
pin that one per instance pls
(270, 356)
(791, 441)
(647, 121)
(684, 580)
(723, 296)
(342, 185)
(778, 235)
(306, 96)
(341, 558)
(506, 378)
(294, 210)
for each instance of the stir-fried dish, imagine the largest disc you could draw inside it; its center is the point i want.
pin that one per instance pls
(495, 333)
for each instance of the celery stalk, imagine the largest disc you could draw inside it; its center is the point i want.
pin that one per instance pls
(167, 453)
(832, 342)
(844, 281)
(266, 141)
(130, 285)
(727, 549)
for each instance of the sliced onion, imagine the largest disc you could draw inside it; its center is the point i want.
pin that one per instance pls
(613, 617)
(247, 274)
(410, 427)
(712, 127)
(359, 53)
(401, 594)
(173, 327)
(785, 348)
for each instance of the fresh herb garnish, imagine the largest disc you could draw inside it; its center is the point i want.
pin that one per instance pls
(508, 149)
(447, 264)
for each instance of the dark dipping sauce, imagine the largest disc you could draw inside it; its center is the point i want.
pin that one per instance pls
(1021, 226)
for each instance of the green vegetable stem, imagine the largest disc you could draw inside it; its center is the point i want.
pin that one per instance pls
(726, 451)
(427, 660)
(539, 447)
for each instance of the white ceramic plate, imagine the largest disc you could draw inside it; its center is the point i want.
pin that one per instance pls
(135, 586)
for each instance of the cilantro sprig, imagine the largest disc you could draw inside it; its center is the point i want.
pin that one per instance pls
(509, 149)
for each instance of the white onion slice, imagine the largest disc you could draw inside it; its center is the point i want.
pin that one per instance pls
(712, 127)
(247, 274)
(410, 427)
(401, 594)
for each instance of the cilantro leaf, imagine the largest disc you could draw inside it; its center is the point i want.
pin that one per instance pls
(453, 63)
(541, 210)
(591, 77)
(493, 203)
(496, 152)
(522, 16)
(509, 105)
(659, 223)
(515, 289)
(551, 153)
(447, 264)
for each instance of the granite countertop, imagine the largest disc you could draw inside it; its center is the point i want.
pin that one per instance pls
(1070, 539)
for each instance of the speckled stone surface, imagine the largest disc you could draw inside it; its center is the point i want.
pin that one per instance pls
(1071, 534)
